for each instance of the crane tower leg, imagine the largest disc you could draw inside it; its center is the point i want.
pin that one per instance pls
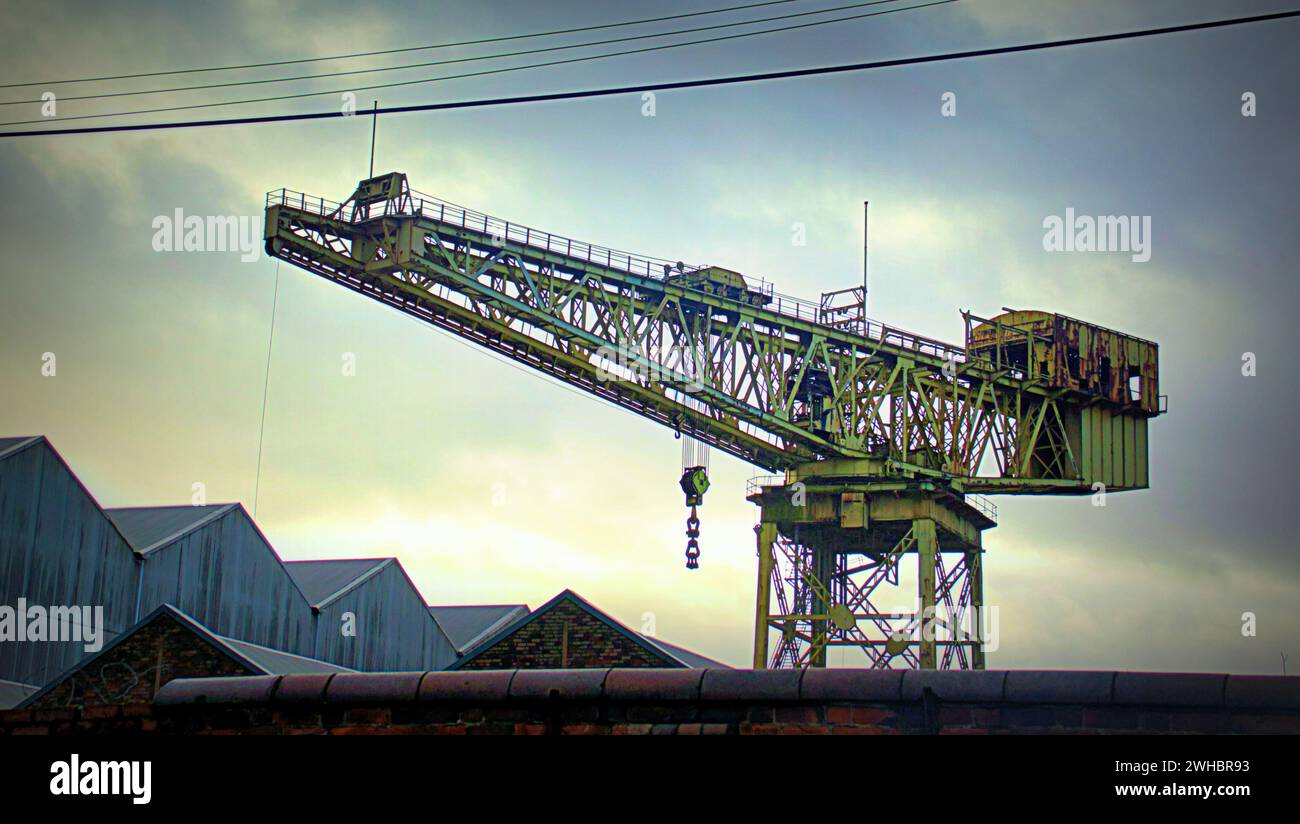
(975, 575)
(823, 599)
(927, 548)
(766, 536)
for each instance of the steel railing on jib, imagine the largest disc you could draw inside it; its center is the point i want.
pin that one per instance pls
(446, 212)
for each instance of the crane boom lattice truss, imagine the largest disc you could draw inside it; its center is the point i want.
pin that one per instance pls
(885, 438)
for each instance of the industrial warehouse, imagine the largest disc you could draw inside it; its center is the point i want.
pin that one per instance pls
(197, 591)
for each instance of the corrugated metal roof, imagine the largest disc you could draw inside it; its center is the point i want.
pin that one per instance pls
(7, 444)
(323, 581)
(691, 659)
(59, 546)
(56, 547)
(13, 693)
(278, 662)
(269, 661)
(467, 625)
(150, 527)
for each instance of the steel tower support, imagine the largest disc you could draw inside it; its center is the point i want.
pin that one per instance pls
(831, 550)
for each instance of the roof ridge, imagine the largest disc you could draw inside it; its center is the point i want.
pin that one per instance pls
(278, 651)
(76, 479)
(220, 510)
(356, 581)
(340, 560)
(659, 642)
(487, 632)
(20, 442)
(168, 506)
(582, 603)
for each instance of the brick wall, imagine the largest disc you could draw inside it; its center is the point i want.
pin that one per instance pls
(134, 669)
(566, 636)
(687, 702)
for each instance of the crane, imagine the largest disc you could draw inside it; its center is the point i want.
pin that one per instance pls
(885, 442)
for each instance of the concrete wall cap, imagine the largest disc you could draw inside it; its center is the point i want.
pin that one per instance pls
(851, 685)
(558, 683)
(304, 688)
(643, 684)
(373, 687)
(750, 685)
(1059, 687)
(972, 686)
(1275, 691)
(251, 689)
(1175, 689)
(467, 685)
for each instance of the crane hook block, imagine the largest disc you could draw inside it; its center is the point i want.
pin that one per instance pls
(694, 483)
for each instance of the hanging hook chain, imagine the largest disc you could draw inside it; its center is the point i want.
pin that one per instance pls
(692, 544)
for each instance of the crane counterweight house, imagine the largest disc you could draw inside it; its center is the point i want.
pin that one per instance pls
(885, 440)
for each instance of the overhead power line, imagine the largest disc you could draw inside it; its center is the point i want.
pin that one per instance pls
(471, 59)
(485, 72)
(352, 55)
(681, 84)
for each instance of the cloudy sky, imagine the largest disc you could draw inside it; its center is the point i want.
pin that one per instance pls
(492, 484)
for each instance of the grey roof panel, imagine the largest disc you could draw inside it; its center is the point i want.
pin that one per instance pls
(7, 444)
(691, 659)
(466, 625)
(152, 527)
(278, 662)
(69, 549)
(320, 581)
(13, 693)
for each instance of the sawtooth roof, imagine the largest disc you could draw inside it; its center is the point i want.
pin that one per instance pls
(147, 528)
(323, 581)
(468, 625)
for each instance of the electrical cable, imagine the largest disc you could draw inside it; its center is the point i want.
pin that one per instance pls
(672, 85)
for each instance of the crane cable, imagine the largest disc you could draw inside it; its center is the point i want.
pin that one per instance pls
(266, 386)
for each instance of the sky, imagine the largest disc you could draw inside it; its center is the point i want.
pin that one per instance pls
(495, 485)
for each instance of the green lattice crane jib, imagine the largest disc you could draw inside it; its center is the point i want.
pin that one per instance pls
(857, 415)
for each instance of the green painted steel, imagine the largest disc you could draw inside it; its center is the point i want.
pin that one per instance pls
(883, 435)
